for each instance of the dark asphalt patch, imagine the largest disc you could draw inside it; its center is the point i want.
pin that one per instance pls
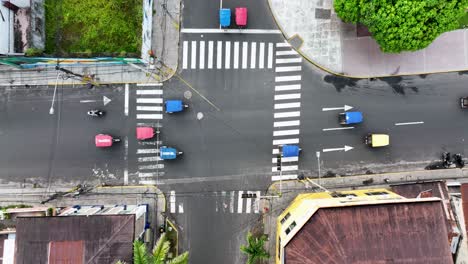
(340, 82)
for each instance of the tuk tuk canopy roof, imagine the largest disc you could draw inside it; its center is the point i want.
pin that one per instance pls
(144, 132)
(103, 141)
(225, 17)
(241, 16)
(167, 153)
(174, 106)
(290, 151)
(353, 117)
(380, 140)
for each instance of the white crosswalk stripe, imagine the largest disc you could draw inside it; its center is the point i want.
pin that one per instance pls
(219, 52)
(285, 168)
(244, 55)
(151, 167)
(185, 55)
(240, 202)
(288, 69)
(227, 202)
(149, 100)
(288, 96)
(149, 108)
(286, 141)
(285, 159)
(202, 55)
(227, 57)
(210, 54)
(147, 151)
(289, 87)
(193, 61)
(278, 133)
(149, 116)
(287, 105)
(253, 55)
(261, 56)
(236, 55)
(292, 60)
(287, 114)
(287, 78)
(284, 177)
(286, 52)
(270, 55)
(149, 92)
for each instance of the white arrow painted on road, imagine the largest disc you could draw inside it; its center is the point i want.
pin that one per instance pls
(345, 108)
(106, 100)
(346, 148)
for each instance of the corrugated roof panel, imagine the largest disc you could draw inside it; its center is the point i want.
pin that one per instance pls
(66, 252)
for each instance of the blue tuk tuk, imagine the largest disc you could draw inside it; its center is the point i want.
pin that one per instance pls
(348, 118)
(173, 106)
(225, 17)
(167, 153)
(290, 151)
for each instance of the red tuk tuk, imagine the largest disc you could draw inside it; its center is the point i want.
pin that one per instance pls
(104, 141)
(143, 133)
(241, 17)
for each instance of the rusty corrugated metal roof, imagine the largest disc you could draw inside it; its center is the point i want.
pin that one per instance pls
(390, 233)
(66, 252)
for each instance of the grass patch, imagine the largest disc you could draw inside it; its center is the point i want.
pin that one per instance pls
(464, 21)
(93, 27)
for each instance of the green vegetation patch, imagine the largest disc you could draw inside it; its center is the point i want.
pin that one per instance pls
(93, 27)
(464, 21)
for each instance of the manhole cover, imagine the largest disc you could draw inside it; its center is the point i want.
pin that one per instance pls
(199, 115)
(188, 94)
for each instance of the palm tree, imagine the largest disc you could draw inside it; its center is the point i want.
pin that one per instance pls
(158, 255)
(254, 249)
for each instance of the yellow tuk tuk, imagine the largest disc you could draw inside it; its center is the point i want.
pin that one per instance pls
(377, 140)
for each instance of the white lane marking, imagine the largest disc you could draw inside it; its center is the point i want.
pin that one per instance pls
(202, 54)
(285, 132)
(185, 55)
(172, 201)
(409, 123)
(210, 54)
(244, 55)
(126, 177)
(223, 198)
(239, 202)
(286, 52)
(219, 53)
(127, 92)
(149, 84)
(231, 202)
(236, 55)
(216, 206)
(248, 204)
(149, 174)
(346, 148)
(292, 60)
(336, 128)
(149, 116)
(284, 177)
(152, 92)
(286, 159)
(253, 55)
(181, 208)
(275, 151)
(149, 108)
(285, 168)
(147, 151)
(151, 167)
(230, 31)
(287, 87)
(286, 141)
(288, 96)
(288, 69)
(286, 123)
(261, 56)
(149, 159)
(287, 78)
(193, 61)
(227, 61)
(287, 114)
(150, 182)
(257, 203)
(287, 105)
(270, 55)
(149, 100)
(283, 44)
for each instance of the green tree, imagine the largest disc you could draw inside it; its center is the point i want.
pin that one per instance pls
(158, 255)
(254, 249)
(403, 25)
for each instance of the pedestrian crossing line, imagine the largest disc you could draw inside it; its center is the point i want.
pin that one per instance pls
(149, 182)
(288, 96)
(149, 143)
(270, 55)
(149, 174)
(193, 61)
(287, 78)
(284, 177)
(227, 62)
(147, 151)
(185, 56)
(285, 141)
(287, 114)
(244, 55)
(202, 55)
(149, 100)
(248, 203)
(288, 87)
(239, 202)
(253, 55)
(285, 159)
(288, 68)
(285, 168)
(291, 60)
(286, 52)
(219, 52)
(181, 208)
(287, 105)
(257, 202)
(149, 159)
(149, 92)
(149, 84)
(261, 56)
(286, 123)
(149, 108)
(275, 152)
(210, 54)
(149, 116)
(231, 202)
(224, 205)
(282, 44)
(151, 167)
(157, 124)
(236, 55)
(291, 132)
(172, 202)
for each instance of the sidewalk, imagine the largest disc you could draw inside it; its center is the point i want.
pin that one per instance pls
(314, 30)
(164, 43)
(290, 189)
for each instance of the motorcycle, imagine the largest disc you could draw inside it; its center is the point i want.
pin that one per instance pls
(95, 113)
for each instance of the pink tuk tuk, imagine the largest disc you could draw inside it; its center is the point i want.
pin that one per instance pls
(241, 17)
(143, 133)
(104, 141)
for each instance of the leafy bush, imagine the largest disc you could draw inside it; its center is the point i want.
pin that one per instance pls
(33, 52)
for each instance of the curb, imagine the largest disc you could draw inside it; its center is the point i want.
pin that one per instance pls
(341, 74)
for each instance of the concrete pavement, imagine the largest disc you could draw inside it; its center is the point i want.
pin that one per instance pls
(314, 29)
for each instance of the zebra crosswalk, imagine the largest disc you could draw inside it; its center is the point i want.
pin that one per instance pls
(149, 112)
(227, 55)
